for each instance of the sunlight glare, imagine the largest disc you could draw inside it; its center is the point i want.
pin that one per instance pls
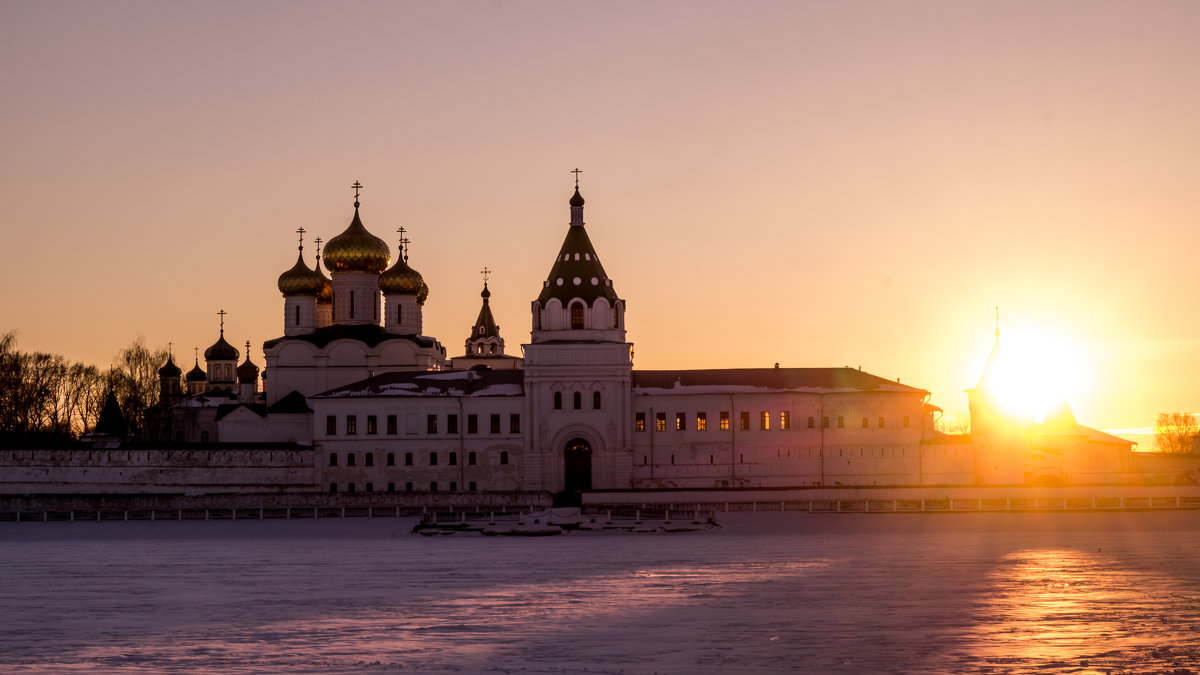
(1039, 368)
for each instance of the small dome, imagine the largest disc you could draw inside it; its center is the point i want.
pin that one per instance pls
(196, 374)
(247, 372)
(221, 351)
(485, 293)
(170, 369)
(301, 280)
(576, 199)
(356, 250)
(403, 280)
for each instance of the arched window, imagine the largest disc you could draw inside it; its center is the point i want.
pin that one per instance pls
(471, 486)
(454, 459)
(433, 459)
(453, 486)
(481, 330)
(408, 459)
(471, 457)
(558, 400)
(577, 315)
(595, 400)
(577, 399)
(333, 459)
(391, 459)
(350, 459)
(504, 457)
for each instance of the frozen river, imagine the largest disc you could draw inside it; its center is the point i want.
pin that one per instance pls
(983, 593)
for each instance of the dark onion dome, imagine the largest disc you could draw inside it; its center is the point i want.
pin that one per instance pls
(356, 250)
(576, 199)
(485, 325)
(301, 280)
(170, 369)
(196, 374)
(221, 351)
(404, 280)
(247, 372)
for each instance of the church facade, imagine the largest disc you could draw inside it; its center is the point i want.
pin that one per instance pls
(385, 409)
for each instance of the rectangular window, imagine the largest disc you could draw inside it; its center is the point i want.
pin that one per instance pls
(866, 422)
(494, 424)
(724, 420)
(785, 419)
(906, 421)
(812, 422)
(331, 425)
(825, 422)
(680, 421)
(391, 424)
(431, 424)
(841, 422)
(514, 423)
(371, 425)
(660, 421)
(452, 424)
(472, 424)
(744, 421)
(351, 425)
(701, 421)
(639, 421)
(880, 422)
(764, 420)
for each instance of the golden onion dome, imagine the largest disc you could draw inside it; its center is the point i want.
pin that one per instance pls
(356, 250)
(301, 280)
(326, 294)
(403, 280)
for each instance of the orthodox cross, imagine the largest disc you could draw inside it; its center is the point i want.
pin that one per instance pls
(577, 171)
(170, 347)
(357, 186)
(318, 240)
(486, 273)
(247, 350)
(301, 231)
(222, 313)
(404, 242)
(196, 353)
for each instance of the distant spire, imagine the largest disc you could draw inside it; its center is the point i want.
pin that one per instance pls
(357, 186)
(404, 242)
(577, 202)
(997, 322)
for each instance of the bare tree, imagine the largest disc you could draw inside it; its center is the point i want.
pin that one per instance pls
(959, 424)
(135, 381)
(1175, 432)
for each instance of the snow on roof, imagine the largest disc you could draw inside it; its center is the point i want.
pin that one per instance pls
(763, 380)
(427, 383)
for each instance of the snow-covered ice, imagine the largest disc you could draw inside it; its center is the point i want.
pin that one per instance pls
(991, 593)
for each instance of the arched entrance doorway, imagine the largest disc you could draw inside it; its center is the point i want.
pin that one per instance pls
(577, 458)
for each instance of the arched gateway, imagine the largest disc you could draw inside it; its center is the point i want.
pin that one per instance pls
(577, 458)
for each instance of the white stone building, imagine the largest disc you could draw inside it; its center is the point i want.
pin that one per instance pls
(385, 410)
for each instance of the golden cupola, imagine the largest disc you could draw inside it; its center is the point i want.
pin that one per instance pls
(403, 280)
(301, 279)
(356, 250)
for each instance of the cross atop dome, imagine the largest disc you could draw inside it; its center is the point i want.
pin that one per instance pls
(222, 315)
(577, 171)
(357, 186)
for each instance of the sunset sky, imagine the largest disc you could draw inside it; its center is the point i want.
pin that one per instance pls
(809, 183)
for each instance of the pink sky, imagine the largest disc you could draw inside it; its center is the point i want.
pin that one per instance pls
(814, 184)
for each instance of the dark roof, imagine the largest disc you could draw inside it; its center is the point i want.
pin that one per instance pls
(221, 350)
(435, 383)
(226, 408)
(292, 403)
(196, 374)
(247, 372)
(369, 334)
(112, 420)
(770, 378)
(169, 369)
(577, 259)
(485, 319)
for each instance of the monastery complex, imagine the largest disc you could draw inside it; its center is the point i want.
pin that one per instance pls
(355, 398)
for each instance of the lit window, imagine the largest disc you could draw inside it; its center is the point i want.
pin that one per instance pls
(724, 420)
(785, 420)
(744, 421)
(701, 421)
(660, 421)
(764, 422)
(680, 421)
(639, 421)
